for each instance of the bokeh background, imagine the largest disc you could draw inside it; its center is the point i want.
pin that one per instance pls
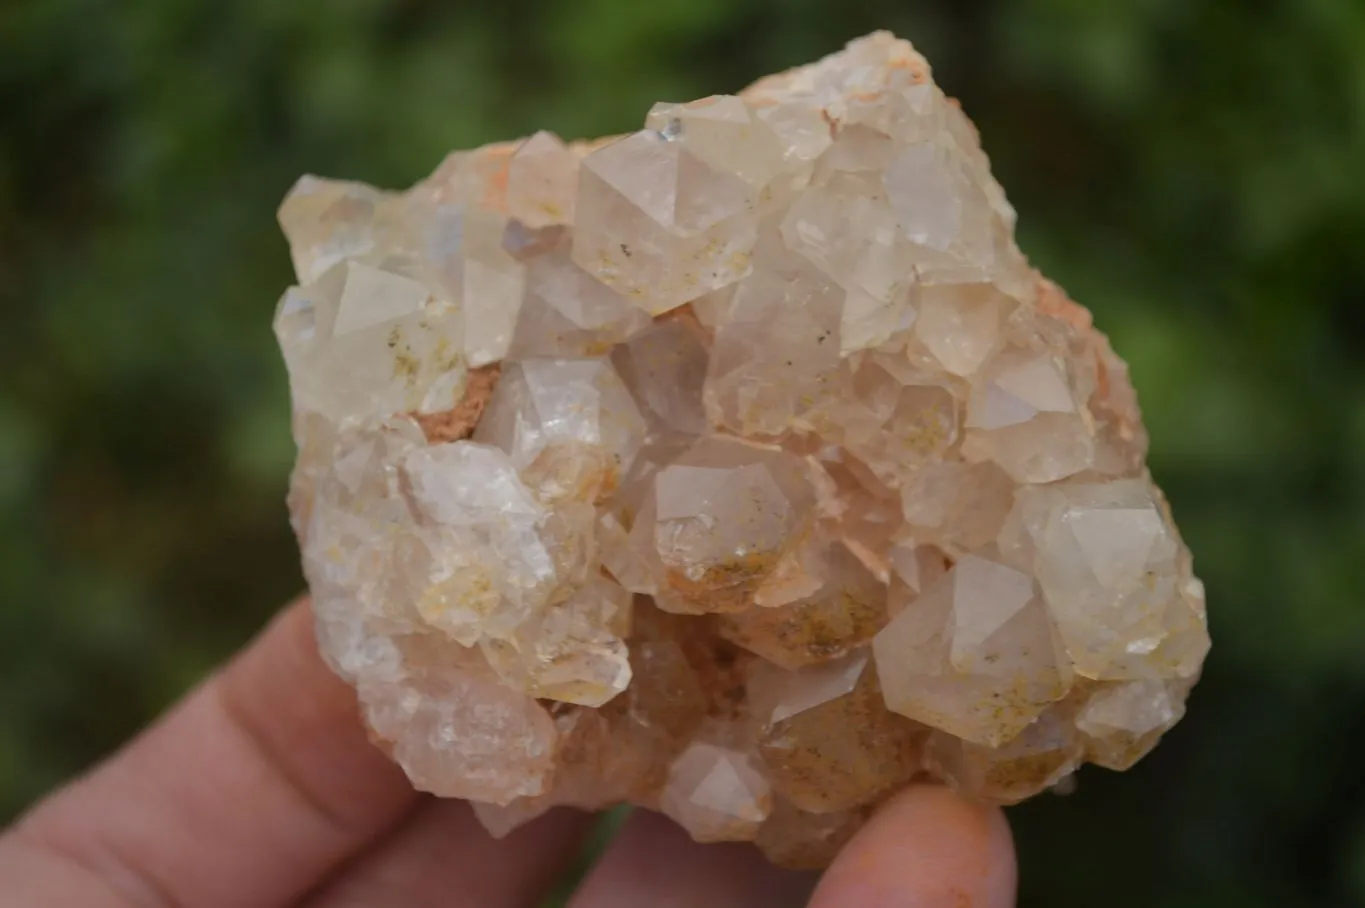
(1193, 171)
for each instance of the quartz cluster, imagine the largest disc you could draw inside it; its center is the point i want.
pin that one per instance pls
(740, 468)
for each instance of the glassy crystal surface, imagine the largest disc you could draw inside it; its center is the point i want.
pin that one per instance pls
(740, 468)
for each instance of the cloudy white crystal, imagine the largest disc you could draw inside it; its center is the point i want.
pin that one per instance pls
(739, 467)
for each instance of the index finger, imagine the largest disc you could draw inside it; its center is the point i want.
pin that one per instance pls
(927, 848)
(251, 789)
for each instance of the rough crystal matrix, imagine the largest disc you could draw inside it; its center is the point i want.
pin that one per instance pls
(740, 468)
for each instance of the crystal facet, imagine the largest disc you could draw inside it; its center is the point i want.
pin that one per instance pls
(739, 468)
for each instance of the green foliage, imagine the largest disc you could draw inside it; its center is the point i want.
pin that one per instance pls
(1193, 171)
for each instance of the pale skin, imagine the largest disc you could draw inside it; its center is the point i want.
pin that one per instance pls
(260, 789)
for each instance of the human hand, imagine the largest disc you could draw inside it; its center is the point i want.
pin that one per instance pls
(260, 789)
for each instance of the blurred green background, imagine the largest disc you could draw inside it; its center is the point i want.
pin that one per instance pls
(1193, 171)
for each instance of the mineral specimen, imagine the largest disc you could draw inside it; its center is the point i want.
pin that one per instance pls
(740, 467)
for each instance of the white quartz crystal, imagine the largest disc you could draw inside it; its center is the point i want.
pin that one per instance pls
(740, 467)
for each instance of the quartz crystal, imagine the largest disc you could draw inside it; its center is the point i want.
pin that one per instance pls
(740, 468)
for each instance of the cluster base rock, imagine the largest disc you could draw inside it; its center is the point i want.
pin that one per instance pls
(740, 468)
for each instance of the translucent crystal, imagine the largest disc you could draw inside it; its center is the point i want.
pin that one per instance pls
(465, 247)
(660, 224)
(716, 523)
(1040, 756)
(941, 208)
(1110, 565)
(540, 403)
(974, 656)
(665, 368)
(844, 610)
(362, 343)
(776, 340)
(960, 324)
(456, 731)
(739, 468)
(846, 228)
(573, 651)
(959, 506)
(542, 179)
(569, 313)
(329, 221)
(483, 562)
(724, 132)
(1121, 722)
(716, 793)
(826, 742)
